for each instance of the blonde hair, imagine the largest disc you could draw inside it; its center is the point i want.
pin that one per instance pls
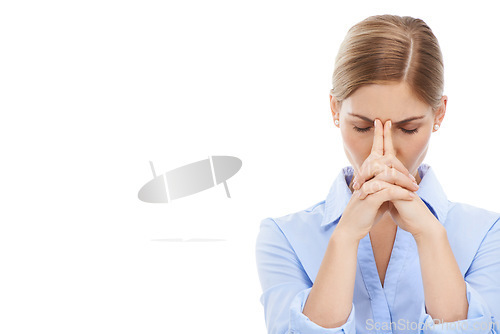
(384, 49)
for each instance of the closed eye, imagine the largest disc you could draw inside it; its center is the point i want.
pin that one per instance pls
(409, 131)
(362, 129)
(368, 129)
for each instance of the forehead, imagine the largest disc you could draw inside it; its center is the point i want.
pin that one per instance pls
(391, 101)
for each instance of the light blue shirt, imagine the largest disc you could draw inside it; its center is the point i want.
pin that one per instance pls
(289, 251)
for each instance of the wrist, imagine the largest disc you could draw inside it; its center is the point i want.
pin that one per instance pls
(431, 232)
(340, 234)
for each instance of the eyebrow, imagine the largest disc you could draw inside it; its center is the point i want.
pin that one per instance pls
(395, 123)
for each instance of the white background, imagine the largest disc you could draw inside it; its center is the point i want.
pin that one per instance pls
(91, 91)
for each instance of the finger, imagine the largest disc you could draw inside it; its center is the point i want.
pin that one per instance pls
(373, 168)
(370, 168)
(376, 151)
(381, 191)
(391, 161)
(378, 139)
(391, 176)
(388, 147)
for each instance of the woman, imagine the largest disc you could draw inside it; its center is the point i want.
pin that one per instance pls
(386, 251)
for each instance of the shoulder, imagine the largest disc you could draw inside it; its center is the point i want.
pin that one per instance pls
(303, 225)
(467, 226)
(301, 233)
(303, 220)
(469, 218)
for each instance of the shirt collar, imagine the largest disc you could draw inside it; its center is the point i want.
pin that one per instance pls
(430, 191)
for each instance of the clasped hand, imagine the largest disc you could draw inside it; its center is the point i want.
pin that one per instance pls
(383, 178)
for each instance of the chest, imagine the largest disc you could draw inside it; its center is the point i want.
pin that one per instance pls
(382, 243)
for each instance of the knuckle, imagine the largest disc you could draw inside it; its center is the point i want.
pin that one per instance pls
(362, 188)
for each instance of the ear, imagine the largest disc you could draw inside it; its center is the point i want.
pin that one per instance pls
(335, 107)
(440, 112)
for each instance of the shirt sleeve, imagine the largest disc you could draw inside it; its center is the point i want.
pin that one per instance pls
(482, 281)
(286, 286)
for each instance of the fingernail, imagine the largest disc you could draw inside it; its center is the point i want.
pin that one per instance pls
(415, 183)
(412, 177)
(389, 124)
(375, 121)
(354, 185)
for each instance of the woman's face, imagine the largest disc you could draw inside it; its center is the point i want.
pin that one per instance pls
(412, 122)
